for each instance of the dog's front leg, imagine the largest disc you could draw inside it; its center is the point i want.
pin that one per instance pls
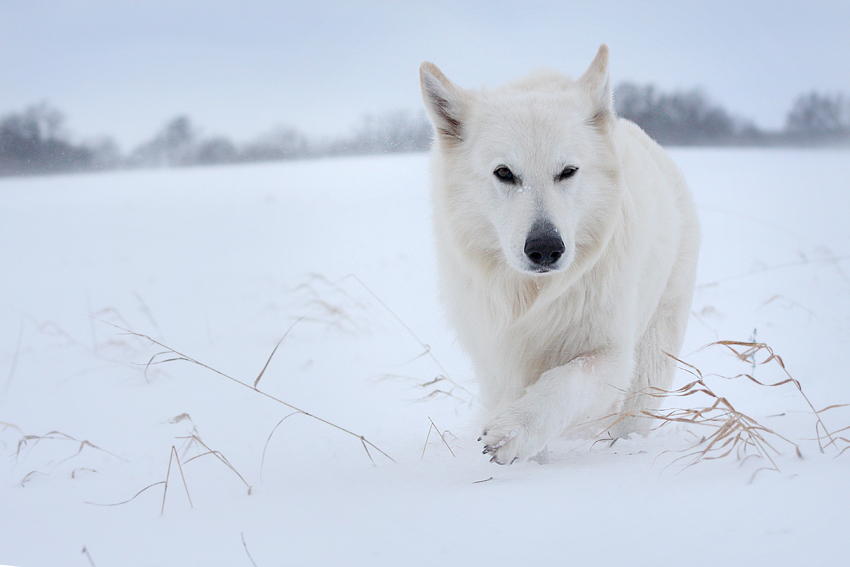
(580, 391)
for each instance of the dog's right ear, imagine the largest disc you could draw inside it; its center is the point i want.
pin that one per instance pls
(444, 101)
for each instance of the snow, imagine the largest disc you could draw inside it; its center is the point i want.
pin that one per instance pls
(219, 263)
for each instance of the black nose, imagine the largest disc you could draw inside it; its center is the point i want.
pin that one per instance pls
(544, 246)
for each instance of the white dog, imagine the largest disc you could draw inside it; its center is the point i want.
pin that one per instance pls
(567, 243)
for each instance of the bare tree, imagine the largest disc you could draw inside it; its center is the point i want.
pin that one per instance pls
(173, 145)
(215, 150)
(391, 132)
(34, 142)
(685, 117)
(281, 143)
(816, 115)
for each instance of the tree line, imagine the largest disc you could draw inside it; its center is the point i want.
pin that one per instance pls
(690, 118)
(34, 141)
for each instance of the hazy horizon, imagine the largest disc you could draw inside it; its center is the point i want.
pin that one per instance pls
(123, 70)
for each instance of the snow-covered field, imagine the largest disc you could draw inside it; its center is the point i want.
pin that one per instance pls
(218, 263)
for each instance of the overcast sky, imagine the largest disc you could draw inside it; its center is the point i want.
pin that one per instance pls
(124, 67)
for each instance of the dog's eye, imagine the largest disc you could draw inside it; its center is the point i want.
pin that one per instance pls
(568, 172)
(504, 174)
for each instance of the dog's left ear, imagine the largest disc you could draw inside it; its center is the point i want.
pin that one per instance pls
(597, 83)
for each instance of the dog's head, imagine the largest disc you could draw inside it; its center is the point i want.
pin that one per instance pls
(526, 173)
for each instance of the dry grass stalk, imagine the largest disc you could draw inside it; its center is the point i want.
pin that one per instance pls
(134, 496)
(442, 435)
(438, 392)
(245, 545)
(829, 260)
(173, 455)
(266, 446)
(178, 356)
(74, 472)
(332, 314)
(4, 426)
(844, 440)
(30, 475)
(190, 440)
(217, 454)
(263, 371)
(14, 360)
(59, 436)
(88, 556)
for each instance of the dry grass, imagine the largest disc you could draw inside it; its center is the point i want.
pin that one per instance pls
(175, 356)
(330, 305)
(322, 311)
(831, 259)
(31, 475)
(248, 553)
(333, 316)
(30, 441)
(4, 426)
(88, 556)
(340, 316)
(442, 435)
(434, 391)
(732, 432)
(218, 455)
(111, 350)
(175, 457)
(135, 495)
(14, 364)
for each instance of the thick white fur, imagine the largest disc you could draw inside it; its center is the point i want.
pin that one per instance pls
(558, 350)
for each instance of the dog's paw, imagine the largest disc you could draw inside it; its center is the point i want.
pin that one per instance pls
(510, 440)
(495, 444)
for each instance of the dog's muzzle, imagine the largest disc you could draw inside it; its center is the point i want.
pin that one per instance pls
(543, 246)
